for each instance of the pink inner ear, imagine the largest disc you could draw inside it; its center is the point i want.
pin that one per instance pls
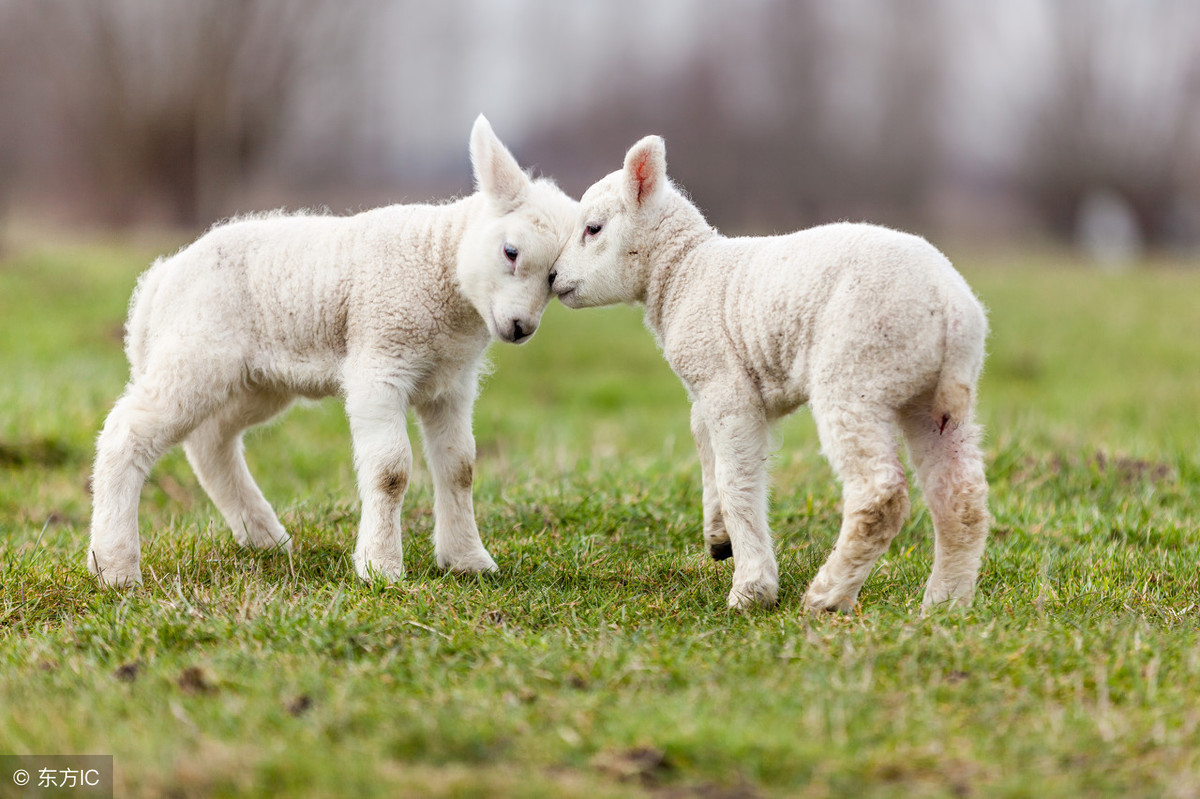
(641, 171)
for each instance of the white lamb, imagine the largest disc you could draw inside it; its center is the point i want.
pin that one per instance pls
(391, 308)
(874, 329)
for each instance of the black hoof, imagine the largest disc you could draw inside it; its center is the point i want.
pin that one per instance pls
(722, 551)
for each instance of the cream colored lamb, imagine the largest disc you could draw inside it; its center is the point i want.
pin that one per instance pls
(874, 329)
(391, 308)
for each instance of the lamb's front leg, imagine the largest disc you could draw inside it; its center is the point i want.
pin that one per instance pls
(715, 536)
(739, 441)
(450, 453)
(383, 463)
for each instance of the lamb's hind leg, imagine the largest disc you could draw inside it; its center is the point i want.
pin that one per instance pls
(950, 467)
(376, 407)
(861, 446)
(145, 422)
(215, 451)
(716, 537)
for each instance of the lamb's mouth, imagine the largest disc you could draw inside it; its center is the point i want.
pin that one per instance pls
(565, 297)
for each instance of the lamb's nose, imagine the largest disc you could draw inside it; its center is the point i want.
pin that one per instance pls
(553, 275)
(518, 331)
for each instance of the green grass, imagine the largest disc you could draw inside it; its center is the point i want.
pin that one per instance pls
(601, 661)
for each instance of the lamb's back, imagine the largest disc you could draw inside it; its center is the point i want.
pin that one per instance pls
(834, 303)
(270, 293)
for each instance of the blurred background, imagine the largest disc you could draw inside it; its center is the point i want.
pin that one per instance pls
(1069, 121)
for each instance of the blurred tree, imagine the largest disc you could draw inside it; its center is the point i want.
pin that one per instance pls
(1119, 115)
(785, 117)
(170, 106)
(9, 144)
(777, 113)
(855, 131)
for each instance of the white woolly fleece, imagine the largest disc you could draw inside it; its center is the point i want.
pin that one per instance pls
(873, 328)
(391, 309)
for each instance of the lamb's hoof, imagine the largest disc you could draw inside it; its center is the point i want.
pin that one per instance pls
(721, 551)
(820, 607)
(479, 562)
(112, 573)
(761, 594)
(817, 600)
(267, 534)
(387, 567)
(945, 597)
(282, 544)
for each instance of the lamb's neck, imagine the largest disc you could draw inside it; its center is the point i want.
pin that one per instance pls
(429, 235)
(447, 236)
(448, 232)
(682, 231)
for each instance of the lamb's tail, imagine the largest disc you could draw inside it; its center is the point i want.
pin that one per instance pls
(137, 325)
(962, 360)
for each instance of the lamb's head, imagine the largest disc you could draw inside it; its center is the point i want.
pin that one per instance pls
(514, 237)
(605, 260)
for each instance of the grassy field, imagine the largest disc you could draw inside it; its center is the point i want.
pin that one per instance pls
(601, 661)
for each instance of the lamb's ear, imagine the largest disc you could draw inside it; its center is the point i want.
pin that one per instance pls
(497, 173)
(645, 170)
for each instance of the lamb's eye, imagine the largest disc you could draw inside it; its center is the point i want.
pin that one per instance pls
(594, 229)
(510, 252)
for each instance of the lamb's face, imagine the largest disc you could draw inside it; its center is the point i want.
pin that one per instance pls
(592, 270)
(512, 241)
(506, 271)
(604, 257)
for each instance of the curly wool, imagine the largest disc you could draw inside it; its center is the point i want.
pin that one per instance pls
(391, 309)
(872, 328)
